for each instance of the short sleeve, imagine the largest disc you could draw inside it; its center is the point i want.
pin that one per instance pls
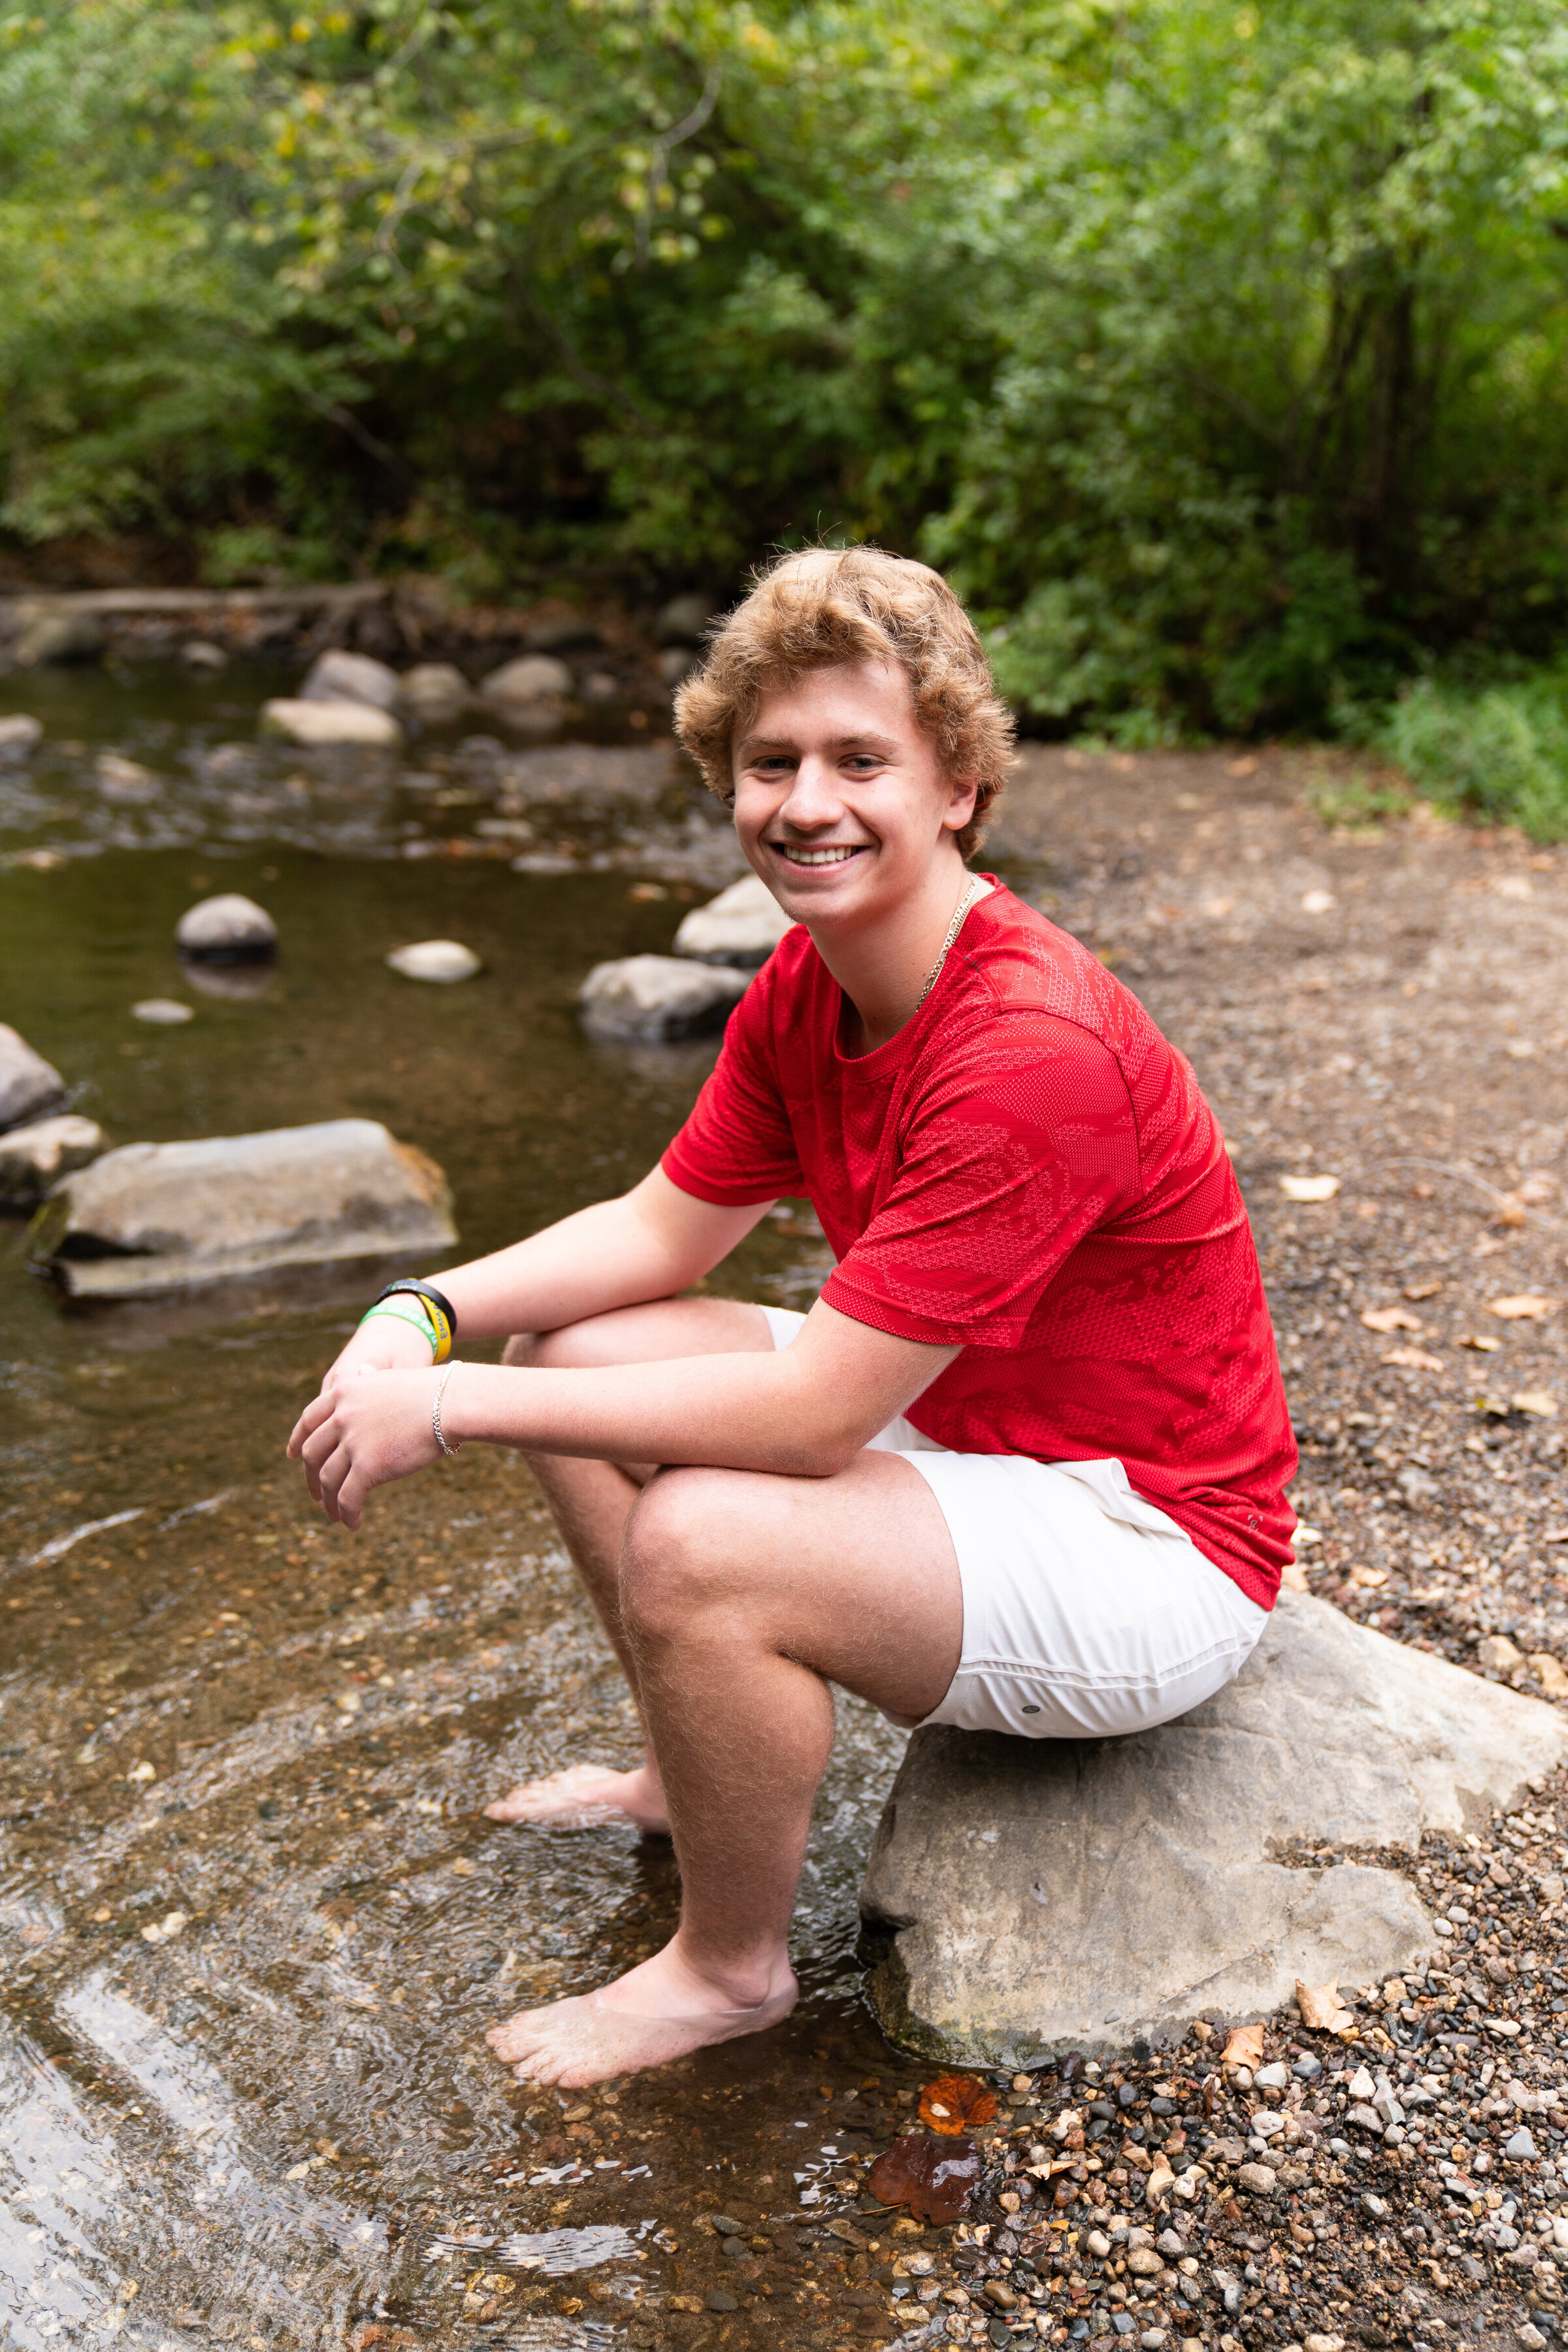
(1024, 1143)
(737, 1147)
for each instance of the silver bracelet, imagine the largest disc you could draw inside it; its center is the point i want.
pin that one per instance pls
(435, 1413)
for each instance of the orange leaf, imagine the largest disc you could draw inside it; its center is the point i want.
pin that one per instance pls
(956, 2102)
(1528, 1309)
(1243, 2047)
(935, 2179)
(1323, 2011)
(1390, 1318)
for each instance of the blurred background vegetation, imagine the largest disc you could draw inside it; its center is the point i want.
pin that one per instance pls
(1217, 351)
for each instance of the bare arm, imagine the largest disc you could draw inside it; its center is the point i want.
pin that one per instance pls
(802, 1412)
(650, 1243)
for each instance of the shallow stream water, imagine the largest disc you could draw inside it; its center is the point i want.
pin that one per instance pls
(252, 1921)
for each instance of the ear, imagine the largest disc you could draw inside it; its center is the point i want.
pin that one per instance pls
(962, 794)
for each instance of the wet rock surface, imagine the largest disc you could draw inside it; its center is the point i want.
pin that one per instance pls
(154, 1216)
(228, 929)
(655, 998)
(1059, 1893)
(741, 927)
(29, 1087)
(31, 1158)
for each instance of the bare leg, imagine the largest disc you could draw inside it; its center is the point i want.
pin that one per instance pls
(591, 1503)
(744, 1595)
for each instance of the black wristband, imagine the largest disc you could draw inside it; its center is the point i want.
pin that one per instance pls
(421, 1290)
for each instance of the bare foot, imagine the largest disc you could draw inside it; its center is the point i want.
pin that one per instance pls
(654, 2014)
(586, 1794)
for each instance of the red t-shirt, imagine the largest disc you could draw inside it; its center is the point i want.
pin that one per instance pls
(1029, 1172)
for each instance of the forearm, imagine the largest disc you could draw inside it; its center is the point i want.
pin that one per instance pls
(648, 1244)
(731, 1411)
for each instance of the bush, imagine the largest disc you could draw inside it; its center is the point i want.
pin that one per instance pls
(1501, 751)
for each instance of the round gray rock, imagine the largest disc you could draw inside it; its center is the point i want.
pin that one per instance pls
(20, 733)
(227, 929)
(30, 1087)
(318, 724)
(657, 999)
(350, 677)
(54, 636)
(531, 678)
(742, 926)
(436, 960)
(434, 692)
(682, 621)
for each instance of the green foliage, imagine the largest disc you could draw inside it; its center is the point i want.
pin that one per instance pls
(1213, 349)
(1499, 751)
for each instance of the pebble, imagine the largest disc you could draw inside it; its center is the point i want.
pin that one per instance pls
(436, 960)
(1520, 2147)
(164, 1012)
(350, 677)
(20, 733)
(1257, 2179)
(124, 779)
(227, 929)
(531, 678)
(719, 2298)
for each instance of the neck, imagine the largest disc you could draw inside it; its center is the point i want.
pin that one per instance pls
(883, 965)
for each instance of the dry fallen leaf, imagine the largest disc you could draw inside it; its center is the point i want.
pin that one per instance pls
(1309, 1188)
(1509, 1211)
(1548, 1672)
(1488, 1245)
(1323, 2011)
(934, 2179)
(1540, 1401)
(1482, 1347)
(1390, 1318)
(1369, 1577)
(1243, 2046)
(1415, 1359)
(1422, 1289)
(1293, 1577)
(1529, 1308)
(956, 2102)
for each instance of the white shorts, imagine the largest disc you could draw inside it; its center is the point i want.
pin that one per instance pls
(1087, 1612)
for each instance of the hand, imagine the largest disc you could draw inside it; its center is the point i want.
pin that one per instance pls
(365, 1428)
(387, 1343)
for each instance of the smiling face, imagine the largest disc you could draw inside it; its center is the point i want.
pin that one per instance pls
(840, 805)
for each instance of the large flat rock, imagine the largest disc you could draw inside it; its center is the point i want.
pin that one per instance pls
(1026, 1896)
(161, 1216)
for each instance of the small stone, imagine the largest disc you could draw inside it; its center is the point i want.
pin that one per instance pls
(532, 679)
(1520, 2147)
(682, 620)
(1376, 2205)
(31, 1158)
(437, 960)
(1361, 2084)
(1144, 2263)
(1257, 2179)
(435, 692)
(657, 999)
(1169, 2243)
(1497, 1654)
(52, 636)
(1152, 2338)
(124, 779)
(30, 1087)
(227, 929)
(741, 927)
(350, 677)
(1098, 2244)
(719, 2298)
(20, 733)
(1323, 2343)
(1549, 1672)
(724, 2226)
(1276, 2077)
(317, 726)
(161, 1012)
(1307, 2068)
(1531, 2338)
(201, 654)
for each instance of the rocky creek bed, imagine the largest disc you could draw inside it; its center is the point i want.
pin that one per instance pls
(251, 1924)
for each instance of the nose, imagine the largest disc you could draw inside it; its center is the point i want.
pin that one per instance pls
(814, 799)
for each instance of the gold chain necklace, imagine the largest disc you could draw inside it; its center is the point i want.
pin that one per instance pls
(973, 892)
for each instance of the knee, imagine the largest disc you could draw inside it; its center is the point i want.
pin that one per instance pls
(675, 1563)
(565, 1349)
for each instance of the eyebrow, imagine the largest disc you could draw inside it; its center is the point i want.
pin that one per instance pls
(752, 745)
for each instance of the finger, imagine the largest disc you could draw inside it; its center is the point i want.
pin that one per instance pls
(332, 1474)
(313, 1414)
(322, 1444)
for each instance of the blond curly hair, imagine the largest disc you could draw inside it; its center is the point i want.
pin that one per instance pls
(826, 607)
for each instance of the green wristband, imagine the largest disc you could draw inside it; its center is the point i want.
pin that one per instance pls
(416, 1321)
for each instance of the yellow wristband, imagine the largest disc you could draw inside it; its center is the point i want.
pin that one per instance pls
(440, 1340)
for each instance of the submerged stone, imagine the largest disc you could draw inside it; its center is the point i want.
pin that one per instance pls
(227, 929)
(29, 1087)
(161, 1216)
(657, 999)
(741, 927)
(1023, 1894)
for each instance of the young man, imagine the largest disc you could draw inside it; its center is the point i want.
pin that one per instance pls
(1022, 1467)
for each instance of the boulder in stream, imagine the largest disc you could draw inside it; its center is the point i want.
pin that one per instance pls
(435, 693)
(1026, 1895)
(228, 928)
(316, 725)
(337, 676)
(154, 1217)
(20, 733)
(33, 1157)
(530, 681)
(655, 998)
(53, 632)
(742, 926)
(30, 1087)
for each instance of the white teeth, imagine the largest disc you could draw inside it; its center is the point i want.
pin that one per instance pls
(815, 856)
